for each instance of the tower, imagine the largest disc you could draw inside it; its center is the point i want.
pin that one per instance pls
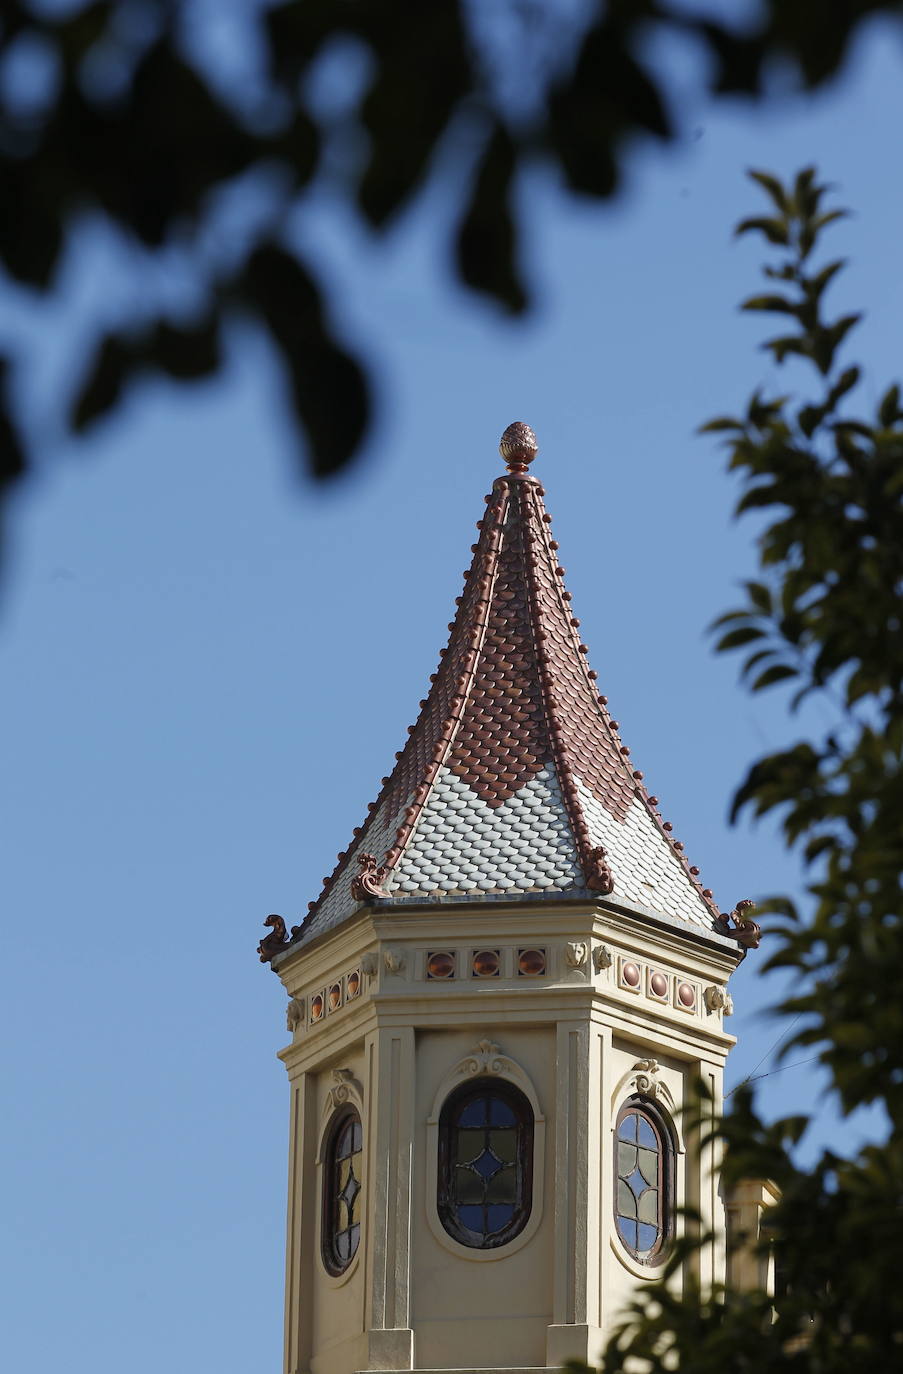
(499, 1004)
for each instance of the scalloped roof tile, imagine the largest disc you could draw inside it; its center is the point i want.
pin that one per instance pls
(514, 780)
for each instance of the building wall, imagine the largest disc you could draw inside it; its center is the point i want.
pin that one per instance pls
(579, 1044)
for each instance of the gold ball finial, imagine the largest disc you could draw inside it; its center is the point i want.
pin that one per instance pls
(518, 446)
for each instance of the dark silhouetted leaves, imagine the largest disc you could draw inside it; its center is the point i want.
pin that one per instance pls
(105, 382)
(486, 247)
(328, 388)
(607, 96)
(12, 459)
(150, 150)
(423, 73)
(827, 617)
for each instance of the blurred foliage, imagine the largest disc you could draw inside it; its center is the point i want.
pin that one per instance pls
(824, 620)
(112, 109)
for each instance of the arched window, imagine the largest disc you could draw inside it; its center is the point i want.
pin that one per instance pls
(342, 1192)
(643, 1182)
(485, 1180)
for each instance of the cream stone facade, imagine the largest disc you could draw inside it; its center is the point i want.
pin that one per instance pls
(515, 933)
(577, 1039)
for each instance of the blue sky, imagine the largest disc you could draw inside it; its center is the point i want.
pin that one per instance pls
(208, 663)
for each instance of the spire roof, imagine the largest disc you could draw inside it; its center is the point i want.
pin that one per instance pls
(514, 780)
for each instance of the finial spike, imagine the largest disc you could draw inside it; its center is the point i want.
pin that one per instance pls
(518, 446)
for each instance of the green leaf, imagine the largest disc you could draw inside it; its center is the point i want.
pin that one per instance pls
(778, 672)
(760, 596)
(720, 423)
(775, 230)
(772, 185)
(787, 343)
(772, 303)
(889, 410)
(745, 634)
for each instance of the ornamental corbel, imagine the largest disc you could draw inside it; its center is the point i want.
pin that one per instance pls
(294, 1014)
(602, 958)
(394, 960)
(717, 998)
(575, 952)
(369, 963)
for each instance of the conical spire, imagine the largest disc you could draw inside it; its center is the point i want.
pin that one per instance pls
(514, 781)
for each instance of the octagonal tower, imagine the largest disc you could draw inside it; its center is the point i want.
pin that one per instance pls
(499, 1004)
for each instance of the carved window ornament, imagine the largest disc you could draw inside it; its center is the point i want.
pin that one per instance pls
(346, 1091)
(485, 1156)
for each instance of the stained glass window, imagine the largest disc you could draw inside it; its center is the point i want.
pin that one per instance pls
(485, 1164)
(643, 1181)
(342, 1193)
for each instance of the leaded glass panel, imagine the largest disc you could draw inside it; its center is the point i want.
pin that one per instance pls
(342, 1193)
(643, 1181)
(485, 1164)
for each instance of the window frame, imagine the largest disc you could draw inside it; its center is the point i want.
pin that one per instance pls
(333, 1263)
(649, 1111)
(525, 1116)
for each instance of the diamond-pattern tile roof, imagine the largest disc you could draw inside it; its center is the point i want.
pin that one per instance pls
(514, 779)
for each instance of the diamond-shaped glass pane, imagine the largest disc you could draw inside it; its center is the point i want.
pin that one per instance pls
(636, 1183)
(486, 1164)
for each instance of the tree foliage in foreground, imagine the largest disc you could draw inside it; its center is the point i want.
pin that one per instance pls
(825, 620)
(118, 110)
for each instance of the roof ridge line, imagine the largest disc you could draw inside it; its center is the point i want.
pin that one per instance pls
(462, 685)
(597, 874)
(600, 705)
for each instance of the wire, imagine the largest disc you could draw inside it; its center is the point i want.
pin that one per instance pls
(754, 1078)
(755, 1075)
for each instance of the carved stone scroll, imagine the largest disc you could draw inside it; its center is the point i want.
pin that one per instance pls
(369, 882)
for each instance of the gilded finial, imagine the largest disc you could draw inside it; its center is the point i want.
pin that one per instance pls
(518, 446)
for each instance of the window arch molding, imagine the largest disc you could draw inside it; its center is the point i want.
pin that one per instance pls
(486, 1063)
(342, 1103)
(645, 1088)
